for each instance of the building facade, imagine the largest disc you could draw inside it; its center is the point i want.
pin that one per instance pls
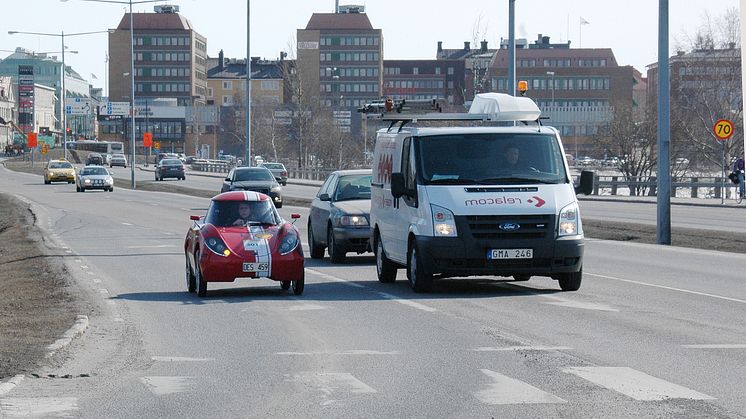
(580, 90)
(7, 110)
(170, 58)
(425, 79)
(476, 66)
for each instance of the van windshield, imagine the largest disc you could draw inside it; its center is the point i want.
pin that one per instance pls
(490, 158)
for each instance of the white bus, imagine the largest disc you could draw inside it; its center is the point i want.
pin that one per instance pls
(102, 147)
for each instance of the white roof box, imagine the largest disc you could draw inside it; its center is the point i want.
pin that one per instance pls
(503, 107)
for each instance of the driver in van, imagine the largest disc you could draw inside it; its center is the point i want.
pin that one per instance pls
(511, 155)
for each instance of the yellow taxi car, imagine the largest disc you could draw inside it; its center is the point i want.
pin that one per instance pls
(59, 171)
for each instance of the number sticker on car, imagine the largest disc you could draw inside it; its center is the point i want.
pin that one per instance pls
(510, 254)
(255, 267)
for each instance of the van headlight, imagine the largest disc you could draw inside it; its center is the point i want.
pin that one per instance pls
(444, 223)
(569, 220)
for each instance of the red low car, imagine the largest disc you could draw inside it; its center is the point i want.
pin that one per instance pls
(243, 236)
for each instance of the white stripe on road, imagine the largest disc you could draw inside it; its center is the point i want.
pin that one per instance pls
(507, 390)
(717, 346)
(387, 296)
(521, 348)
(720, 297)
(348, 352)
(126, 224)
(635, 384)
(38, 406)
(160, 385)
(180, 359)
(564, 302)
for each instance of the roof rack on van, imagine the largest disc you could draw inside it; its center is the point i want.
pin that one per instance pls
(485, 107)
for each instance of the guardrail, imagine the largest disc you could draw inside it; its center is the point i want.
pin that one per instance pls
(696, 186)
(218, 166)
(308, 174)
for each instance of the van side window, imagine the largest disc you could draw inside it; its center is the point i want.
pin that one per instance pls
(408, 169)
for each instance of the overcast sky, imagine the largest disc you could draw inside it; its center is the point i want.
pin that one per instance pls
(411, 28)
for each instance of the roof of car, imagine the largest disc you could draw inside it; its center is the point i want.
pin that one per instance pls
(353, 172)
(241, 196)
(254, 168)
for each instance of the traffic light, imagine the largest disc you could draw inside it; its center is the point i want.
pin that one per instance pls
(69, 131)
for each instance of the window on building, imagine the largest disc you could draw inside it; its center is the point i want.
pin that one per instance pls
(228, 85)
(450, 71)
(437, 70)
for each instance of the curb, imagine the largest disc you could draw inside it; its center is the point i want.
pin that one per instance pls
(10, 384)
(77, 329)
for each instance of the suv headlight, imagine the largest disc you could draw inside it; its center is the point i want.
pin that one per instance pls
(444, 223)
(569, 220)
(352, 221)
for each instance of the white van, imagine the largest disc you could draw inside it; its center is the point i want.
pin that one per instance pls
(456, 202)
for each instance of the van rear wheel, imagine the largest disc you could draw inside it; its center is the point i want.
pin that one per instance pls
(570, 281)
(419, 278)
(385, 268)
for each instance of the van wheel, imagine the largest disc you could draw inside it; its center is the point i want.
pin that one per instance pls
(385, 269)
(336, 252)
(570, 281)
(317, 251)
(419, 279)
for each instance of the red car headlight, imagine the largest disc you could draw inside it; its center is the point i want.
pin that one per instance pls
(217, 246)
(289, 242)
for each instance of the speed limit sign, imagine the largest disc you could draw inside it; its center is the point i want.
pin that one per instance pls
(723, 129)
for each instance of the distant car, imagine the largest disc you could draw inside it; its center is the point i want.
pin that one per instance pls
(339, 219)
(94, 177)
(118, 160)
(169, 167)
(190, 159)
(160, 156)
(584, 161)
(227, 244)
(94, 159)
(257, 179)
(611, 162)
(59, 171)
(279, 172)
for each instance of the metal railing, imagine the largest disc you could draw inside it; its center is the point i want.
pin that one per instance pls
(217, 166)
(688, 186)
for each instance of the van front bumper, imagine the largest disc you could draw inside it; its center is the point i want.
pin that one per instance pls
(455, 256)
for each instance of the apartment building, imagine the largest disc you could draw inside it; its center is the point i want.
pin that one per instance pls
(425, 79)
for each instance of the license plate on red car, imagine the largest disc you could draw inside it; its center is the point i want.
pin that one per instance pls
(255, 267)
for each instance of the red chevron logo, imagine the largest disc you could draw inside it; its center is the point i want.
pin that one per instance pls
(539, 202)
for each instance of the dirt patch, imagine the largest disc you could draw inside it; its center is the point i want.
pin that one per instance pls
(39, 301)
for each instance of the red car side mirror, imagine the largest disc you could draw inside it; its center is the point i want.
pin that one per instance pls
(295, 216)
(194, 217)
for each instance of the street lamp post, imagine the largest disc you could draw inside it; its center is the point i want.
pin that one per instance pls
(132, 72)
(63, 115)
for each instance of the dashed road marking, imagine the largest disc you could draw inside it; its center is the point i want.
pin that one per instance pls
(635, 384)
(38, 406)
(507, 390)
(521, 348)
(334, 278)
(704, 294)
(160, 385)
(348, 352)
(564, 302)
(126, 224)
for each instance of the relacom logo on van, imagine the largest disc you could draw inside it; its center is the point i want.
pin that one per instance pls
(534, 200)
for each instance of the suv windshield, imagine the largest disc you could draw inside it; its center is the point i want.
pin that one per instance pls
(225, 213)
(492, 158)
(253, 174)
(60, 165)
(353, 187)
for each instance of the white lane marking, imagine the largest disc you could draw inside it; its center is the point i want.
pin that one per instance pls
(77, 329)
(38, 406)
(118, 319)
(579, 304)
(335, 384)
(704, 294)
(305, 307)
(717, 346)
(179, 359)
(126, 224)
(409, 303)
(157, 246)
(507, 390)
(160, 385)
(334, 278)
(521, 348)
(10, 384)
(635, 384)
(387, 296)
(348, 352)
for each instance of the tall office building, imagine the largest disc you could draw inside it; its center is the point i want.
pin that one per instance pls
(170, 58)
(340, 60)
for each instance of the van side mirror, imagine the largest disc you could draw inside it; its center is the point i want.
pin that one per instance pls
(397, 185)
(586, 182)
(325, 197)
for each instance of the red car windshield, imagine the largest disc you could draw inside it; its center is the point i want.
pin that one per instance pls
(228, 213)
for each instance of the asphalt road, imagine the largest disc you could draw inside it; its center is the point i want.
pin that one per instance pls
(654, 331)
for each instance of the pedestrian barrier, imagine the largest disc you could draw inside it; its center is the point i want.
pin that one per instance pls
(216, 166)
(688, 186)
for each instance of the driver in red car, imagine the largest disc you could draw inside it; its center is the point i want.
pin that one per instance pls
(244, 214)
